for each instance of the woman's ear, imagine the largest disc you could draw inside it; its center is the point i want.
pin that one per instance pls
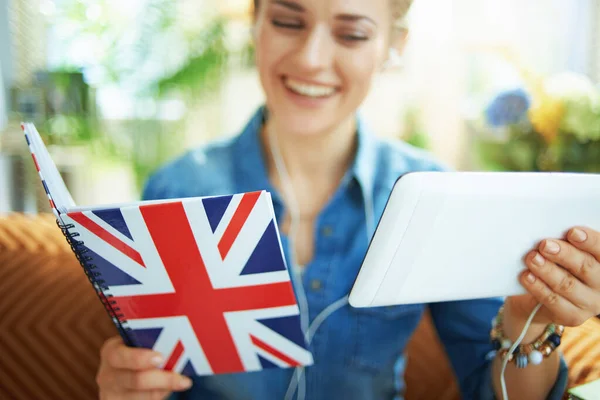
(257, 21)
(396, 50)
(399, 40)
(253, 28)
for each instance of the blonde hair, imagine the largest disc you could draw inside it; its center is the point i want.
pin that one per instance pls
(399, 10)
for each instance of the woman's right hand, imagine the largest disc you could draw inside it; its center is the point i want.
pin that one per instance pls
(134, 373)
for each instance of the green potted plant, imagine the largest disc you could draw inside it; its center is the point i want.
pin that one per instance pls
(550, 124)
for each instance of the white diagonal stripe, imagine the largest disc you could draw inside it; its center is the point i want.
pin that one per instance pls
(248, 237)
(181, 363)
(175, 329)
(226, 218)
(157, 278)
(238, 326)
(267, 313)
(166, 341)
(268, 356)
(281, 343)
(264, 278)
(114, 256)
(109, 228)
(242, 324)
(206, 241)
(192, 348)
(226, 273)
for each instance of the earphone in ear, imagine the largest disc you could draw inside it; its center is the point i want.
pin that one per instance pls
(394, 59)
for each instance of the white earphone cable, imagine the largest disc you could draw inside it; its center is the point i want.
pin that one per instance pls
(294, 218)
(294, 273)
(298, 379)
(513, 347)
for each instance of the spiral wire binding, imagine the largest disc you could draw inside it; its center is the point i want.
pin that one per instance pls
(96, 280)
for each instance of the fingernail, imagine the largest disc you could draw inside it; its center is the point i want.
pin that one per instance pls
(578, 235)
(538, 260)
(185, 383)
(157, 361)
(551, 247)
(530, 277)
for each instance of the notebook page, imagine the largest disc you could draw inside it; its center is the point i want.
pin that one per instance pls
(49, 173)
(55, 186)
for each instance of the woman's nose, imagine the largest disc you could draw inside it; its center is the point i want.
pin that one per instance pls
(317, 50)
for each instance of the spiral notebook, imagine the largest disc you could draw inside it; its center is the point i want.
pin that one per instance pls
(201, 280)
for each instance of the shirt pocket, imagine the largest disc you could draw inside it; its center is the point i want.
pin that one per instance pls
(381, 334)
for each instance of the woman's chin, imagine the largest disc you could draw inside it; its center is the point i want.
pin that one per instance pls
(308, 126)
(303, 122)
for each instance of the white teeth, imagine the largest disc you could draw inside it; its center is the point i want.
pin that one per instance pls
(309, 90)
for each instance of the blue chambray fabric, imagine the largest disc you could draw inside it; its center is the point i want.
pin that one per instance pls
(358, 352)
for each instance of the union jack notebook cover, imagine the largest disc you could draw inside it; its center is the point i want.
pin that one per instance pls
(201, 280)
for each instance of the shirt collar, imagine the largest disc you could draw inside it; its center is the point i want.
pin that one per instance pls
(364, 167)
(250, 157)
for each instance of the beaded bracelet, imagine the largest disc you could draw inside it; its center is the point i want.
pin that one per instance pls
(524, 354)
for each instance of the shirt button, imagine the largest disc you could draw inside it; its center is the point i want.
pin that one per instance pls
(316, 284)
(327, 231)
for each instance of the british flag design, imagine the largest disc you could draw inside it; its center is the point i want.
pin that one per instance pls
(201, 280)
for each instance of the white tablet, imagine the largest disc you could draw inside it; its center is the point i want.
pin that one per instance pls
(463, 235)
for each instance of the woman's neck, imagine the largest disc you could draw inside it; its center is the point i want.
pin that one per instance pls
(314, 157)
(314, 164)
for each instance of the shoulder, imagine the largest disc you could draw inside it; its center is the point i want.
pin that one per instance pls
(402, 155)
(396, 158)
(203, 171)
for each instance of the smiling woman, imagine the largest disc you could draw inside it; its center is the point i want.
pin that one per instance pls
(330, 178)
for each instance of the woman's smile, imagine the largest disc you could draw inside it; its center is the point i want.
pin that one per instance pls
(308, 94)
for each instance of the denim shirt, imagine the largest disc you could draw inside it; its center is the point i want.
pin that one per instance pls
(358, 353)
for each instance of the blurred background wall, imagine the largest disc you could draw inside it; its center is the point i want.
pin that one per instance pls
(119, 87)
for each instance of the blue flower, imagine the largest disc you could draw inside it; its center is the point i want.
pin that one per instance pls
(509, 107)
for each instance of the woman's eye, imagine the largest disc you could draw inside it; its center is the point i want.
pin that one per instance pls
(354, 37)
(287, 24)
(350, 35)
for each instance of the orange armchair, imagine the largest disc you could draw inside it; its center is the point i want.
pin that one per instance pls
(52, 325)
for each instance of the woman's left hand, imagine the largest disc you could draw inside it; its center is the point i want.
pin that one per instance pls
(563, 275)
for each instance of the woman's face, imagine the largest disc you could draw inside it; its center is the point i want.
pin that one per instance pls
(317, 58)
